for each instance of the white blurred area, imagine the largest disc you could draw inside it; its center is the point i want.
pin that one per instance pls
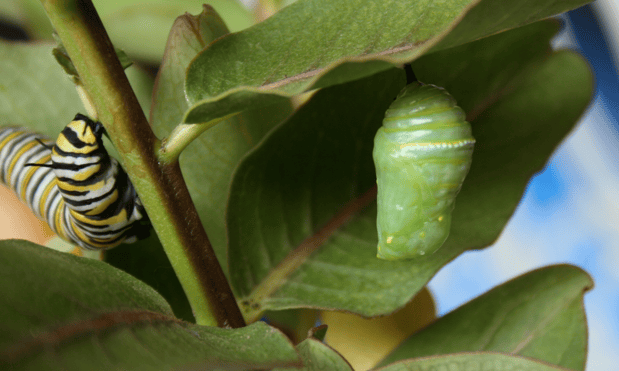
(570, 211)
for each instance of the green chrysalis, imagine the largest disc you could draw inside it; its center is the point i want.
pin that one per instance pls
(422, 154)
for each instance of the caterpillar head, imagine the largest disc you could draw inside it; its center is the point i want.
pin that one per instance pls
(79, 153)
(81, 136)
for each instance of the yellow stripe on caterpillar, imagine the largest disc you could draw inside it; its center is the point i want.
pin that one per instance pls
(76, 208)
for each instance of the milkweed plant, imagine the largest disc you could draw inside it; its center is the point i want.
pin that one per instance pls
(248, 136)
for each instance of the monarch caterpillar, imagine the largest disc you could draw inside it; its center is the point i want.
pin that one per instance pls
(422, 154)
(74, 185)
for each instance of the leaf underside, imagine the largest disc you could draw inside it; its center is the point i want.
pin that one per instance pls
(539, 315)
(74, 313)
(288, 190)
(337, 42)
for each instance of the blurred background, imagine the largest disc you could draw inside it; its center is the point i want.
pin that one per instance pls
(569, 213)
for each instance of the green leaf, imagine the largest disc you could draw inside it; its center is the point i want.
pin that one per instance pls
(490, 17)
(142, 29)
(289, 195)
(295, 323)
(516, 92)
(142, 85)
(207, 164)
(480, 361)
(188, 36)
(238, 100)
(318, 333)
(137, 26)
(64, 312)
(538, 315)
(146, 260)
(35, 92)
(335, 42)
(34, 20)
(463, 71)
(364, 342)
(318, 356)
(10, 11)
(301, 174)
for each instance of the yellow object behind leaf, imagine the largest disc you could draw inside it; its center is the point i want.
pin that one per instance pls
(17, 221)
(364, 342)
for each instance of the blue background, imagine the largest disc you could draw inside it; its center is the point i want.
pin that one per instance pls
(570, 211)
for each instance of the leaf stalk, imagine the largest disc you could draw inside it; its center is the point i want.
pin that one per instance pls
(182, 136)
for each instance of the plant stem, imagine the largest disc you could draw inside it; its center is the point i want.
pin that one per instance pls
(160, 186)
(182, 136)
